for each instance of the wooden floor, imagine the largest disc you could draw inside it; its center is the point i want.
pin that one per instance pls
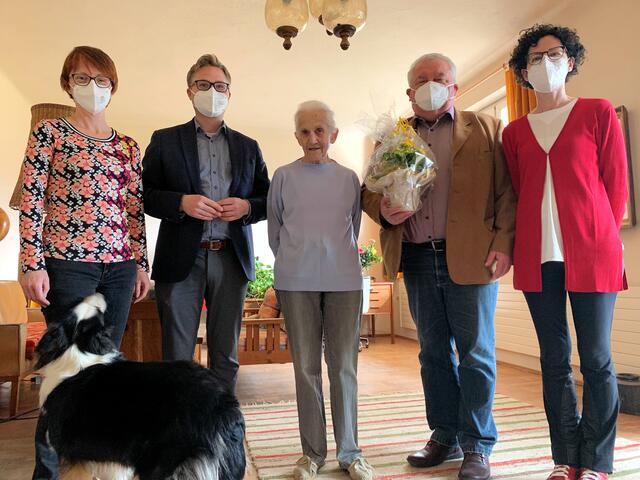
(383, 368)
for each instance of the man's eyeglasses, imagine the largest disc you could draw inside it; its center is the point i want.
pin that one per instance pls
(553, 54)
(204, 85)
(83, 79)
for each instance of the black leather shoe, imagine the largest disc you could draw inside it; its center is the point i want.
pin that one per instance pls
(475, 466)
(433, 454)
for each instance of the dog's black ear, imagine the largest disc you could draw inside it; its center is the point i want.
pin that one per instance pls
(55, 341)
(92, 337)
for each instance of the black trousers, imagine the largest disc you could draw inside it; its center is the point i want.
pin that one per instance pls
(587, 440)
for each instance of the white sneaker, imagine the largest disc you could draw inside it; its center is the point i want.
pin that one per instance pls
(305, 469)
(361, 470)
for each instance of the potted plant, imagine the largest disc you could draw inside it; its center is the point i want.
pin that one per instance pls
(257, 288)
(368, 256)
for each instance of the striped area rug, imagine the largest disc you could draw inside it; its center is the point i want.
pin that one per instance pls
(392, 426)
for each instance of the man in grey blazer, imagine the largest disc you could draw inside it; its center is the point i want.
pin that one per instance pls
(208, 184)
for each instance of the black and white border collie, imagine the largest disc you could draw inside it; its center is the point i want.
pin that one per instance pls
(111, 419)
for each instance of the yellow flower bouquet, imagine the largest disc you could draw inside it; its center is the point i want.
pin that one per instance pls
(402, 166)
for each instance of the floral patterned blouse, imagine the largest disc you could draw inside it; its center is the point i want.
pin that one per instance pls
(81, 198)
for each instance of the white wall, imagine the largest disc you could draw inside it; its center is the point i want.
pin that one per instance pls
(14, 130)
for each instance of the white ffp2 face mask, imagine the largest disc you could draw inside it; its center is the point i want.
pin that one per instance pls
(92, 98)
(431, 96)
(210, 103)
(548, 76)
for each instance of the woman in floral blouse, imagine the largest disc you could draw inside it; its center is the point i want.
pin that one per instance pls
(81, 218)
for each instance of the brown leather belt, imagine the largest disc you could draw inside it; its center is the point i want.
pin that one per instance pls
(214, 244)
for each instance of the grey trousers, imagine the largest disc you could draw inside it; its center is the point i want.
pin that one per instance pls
(310, 316)
(218, 278)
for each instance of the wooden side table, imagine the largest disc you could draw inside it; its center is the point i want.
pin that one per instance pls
(381, 303)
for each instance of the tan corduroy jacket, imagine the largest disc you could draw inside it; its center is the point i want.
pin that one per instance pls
(481, 210)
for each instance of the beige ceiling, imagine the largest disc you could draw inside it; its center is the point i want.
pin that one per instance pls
(154, 42)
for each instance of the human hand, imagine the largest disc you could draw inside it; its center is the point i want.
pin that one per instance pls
(234, 208)
(142, 286)
(502, 264)
(35, 285)
(200, 207)
(393, 215)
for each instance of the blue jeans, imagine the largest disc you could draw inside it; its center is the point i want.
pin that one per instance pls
(458, 391)
(70, 282)
(587, 441)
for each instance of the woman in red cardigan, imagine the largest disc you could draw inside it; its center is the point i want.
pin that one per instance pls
(569, 171)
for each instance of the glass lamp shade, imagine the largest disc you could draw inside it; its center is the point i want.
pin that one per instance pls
(315, 7)
(287, 18)
(344, 18)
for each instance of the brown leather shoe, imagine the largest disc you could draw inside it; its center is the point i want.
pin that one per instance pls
(475, 466)
(433, 454)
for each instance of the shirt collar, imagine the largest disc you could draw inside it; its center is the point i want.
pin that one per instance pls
(222, 129)
(417, 121)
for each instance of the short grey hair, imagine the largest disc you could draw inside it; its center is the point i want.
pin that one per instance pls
(432, 56)
(316, 106)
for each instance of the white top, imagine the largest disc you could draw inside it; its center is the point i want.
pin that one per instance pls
(546, 127)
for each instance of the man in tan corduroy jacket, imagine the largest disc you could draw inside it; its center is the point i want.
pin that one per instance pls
(452, 252)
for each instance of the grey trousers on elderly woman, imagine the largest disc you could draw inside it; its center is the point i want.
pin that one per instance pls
(310, 316)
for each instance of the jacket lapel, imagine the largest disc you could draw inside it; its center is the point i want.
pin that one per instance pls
(461, 131)
(190, 151)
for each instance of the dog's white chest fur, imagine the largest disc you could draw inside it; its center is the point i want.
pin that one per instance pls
(67, 365)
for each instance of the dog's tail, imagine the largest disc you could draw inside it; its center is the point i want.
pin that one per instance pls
(90, 306)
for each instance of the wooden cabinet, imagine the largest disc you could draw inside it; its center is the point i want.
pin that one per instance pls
(142, 341)
(381, 303)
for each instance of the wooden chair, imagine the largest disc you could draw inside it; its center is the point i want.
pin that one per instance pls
(14, 319)
(262, 340)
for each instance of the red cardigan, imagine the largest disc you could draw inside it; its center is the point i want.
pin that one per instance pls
(589, 167)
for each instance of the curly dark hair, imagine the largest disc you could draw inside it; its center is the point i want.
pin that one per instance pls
(530, 37)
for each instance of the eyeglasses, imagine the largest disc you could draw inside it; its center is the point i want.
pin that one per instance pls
(83, 79)
(553, 54)
(204, 85)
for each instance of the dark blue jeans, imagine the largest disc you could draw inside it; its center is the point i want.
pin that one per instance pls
(587, 441)
(70, 282)
(458, 391)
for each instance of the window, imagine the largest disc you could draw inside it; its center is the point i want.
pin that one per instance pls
(498, 109)
(494, 105)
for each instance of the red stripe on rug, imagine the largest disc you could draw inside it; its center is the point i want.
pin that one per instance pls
(370, 422)
(291, 429)
(520, 407)
(389, 444)
(421, 400)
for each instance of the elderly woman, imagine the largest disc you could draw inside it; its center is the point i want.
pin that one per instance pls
(313, 209)
(81, 218)
(568, 167)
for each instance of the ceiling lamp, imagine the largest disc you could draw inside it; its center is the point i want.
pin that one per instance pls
(344, 18)
(287, 18)
(315, 7)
